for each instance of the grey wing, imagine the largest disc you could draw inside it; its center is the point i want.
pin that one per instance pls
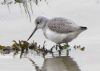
(61, 25)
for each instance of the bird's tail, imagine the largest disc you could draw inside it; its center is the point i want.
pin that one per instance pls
(83, 28)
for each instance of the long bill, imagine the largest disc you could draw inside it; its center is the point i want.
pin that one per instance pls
(32, 33)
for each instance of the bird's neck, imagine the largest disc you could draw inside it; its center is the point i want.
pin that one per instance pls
(44, 24)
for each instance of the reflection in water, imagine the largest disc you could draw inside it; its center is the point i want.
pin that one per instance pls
(63, 63)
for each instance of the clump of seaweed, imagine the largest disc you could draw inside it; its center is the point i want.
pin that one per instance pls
(23, 47)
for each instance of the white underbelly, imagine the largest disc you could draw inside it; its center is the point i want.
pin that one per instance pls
(60, 37)
(55, 37)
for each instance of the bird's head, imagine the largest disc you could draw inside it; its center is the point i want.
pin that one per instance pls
(40, 23)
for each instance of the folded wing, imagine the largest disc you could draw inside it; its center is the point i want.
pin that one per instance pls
(61, 25)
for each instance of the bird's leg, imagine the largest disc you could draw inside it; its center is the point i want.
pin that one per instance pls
(67, 49)
(51, 51)
(52, 48)
(60, 49)
(52, 54)
(59, 52)
(67, 52)
(56, 46)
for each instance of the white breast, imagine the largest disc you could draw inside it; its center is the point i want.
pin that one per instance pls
(59, 37)
(53, 36)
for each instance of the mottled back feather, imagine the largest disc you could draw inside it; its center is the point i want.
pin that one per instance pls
(61, 25)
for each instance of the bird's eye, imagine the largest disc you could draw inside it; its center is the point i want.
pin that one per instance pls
(38, 22)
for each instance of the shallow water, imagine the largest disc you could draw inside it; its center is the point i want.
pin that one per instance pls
(83, 12)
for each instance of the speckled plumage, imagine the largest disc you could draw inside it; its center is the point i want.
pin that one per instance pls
(61, 25)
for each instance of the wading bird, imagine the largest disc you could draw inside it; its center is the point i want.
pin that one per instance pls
(58, 30)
